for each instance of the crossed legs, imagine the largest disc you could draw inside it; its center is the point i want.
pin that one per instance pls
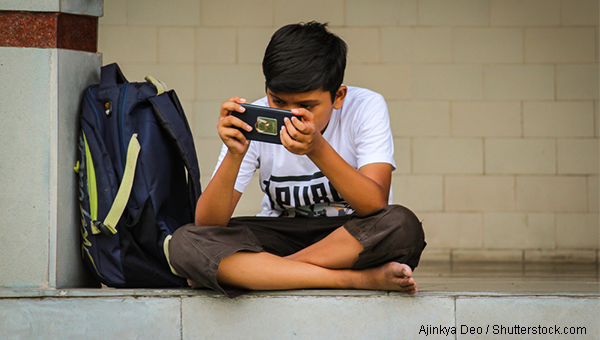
(252, 253)
(325, 264)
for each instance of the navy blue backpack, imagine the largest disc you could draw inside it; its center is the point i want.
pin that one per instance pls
(139, 180)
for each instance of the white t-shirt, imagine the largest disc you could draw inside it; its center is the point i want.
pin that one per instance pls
(359, 132)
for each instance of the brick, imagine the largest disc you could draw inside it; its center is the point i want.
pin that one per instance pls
(176, 45)
(453, 12)
(579, 12)
(520, 156)
(393, 81)
(402, 155)
(560, 45)
(419, 193)
(437, 81)
(432, 44)
(420, 118)
(397, 44)
(453, 230)
(479, 193)
(251, 44)
(597, 118)
(518, 230)
(551, 193)
(163, 13)
(381, 13)
(578, 156)
(577, 231)
(486, 119)
(188, 109)
(206, 117)
(216, 45)
(435, 255)
(593, 186)
(423, 44)
(518, 82)
(525, 12)
(179, 77)
(363, 44)
(488, 45)
(249, 204)
(487, 255)
(115, 13)
(331, 11)
(577, 81)
(237, 13)
(558, 119)
(560, 256)
(208, 150)
(447, 156)
(219, 82)
(128, 44)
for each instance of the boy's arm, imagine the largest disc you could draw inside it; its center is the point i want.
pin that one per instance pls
(366, 189)
(219, 199)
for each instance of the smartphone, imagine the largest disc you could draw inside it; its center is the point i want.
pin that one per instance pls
(266, 122)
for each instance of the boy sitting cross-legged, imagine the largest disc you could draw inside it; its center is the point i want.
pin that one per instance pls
(326, 221)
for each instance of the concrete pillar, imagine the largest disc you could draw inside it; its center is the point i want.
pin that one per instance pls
(47, 58)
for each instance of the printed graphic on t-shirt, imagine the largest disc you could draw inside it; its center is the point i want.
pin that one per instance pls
(303, 193)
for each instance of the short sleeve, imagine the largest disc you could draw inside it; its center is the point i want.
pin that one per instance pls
(249, 165)
(373, 135)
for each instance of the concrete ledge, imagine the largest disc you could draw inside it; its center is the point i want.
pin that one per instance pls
(188, 292)
(303, 314)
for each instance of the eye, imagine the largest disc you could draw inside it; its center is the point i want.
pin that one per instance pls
(307, 107)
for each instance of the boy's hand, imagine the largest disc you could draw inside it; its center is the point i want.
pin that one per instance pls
(300, 134)
(232, 137)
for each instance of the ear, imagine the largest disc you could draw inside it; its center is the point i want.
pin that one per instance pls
(339, 97)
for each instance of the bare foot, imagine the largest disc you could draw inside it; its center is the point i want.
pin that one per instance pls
(391, 276)
(193, 284)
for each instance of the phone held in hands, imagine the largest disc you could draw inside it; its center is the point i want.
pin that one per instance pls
(266, 122)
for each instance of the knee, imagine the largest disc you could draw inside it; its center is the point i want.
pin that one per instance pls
(178, 248)
(407, 222)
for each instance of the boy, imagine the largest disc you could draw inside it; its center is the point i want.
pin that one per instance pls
(326, 222)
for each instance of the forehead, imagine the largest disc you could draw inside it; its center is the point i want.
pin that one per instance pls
(292, 97)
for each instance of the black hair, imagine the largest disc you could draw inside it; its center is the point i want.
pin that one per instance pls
(305, 57)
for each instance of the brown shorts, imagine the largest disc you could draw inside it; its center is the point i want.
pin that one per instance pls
(393, 233)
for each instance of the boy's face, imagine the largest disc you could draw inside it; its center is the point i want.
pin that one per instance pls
(318, 102)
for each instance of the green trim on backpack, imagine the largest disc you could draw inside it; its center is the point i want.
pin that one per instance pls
(92, 188)
(120, 202)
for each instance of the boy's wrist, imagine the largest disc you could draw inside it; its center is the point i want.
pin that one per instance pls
(319, 148)
(236, 156)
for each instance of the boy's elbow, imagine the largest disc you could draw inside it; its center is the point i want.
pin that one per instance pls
(371, 208)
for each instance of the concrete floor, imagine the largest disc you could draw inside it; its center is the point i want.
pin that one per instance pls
(456, 301)
(515, 277)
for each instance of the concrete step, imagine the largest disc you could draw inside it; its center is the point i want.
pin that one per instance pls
(441, 310)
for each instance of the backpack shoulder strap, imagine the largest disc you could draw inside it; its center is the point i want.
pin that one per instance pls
(169, 114)
(109, 225)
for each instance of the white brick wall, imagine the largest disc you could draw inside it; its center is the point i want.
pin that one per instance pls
(493, 104)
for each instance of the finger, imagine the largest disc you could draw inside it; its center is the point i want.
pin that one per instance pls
(235, 138)
(303, 113)
(287, 140)
(298, 125)
(237, 100)
(233, 122)
(293, 131)
(232, 104)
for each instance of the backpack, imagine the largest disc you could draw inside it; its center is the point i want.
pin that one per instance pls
(139, 180)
